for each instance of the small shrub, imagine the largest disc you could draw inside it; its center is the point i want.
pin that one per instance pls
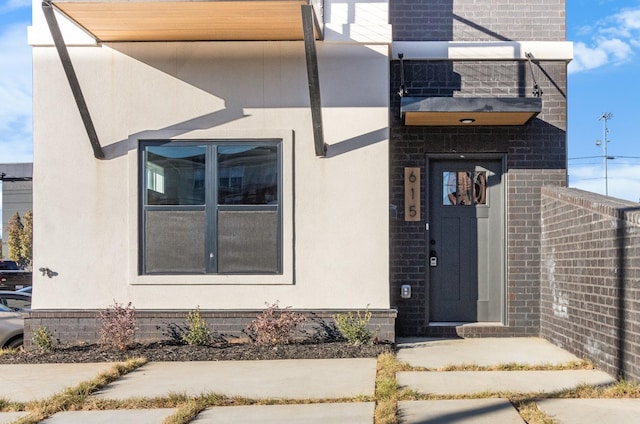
(274, 326)
(43, 338)
(118, 326)
(353, 327)
(198, 333)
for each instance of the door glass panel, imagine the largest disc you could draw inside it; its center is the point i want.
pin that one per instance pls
(464, 188)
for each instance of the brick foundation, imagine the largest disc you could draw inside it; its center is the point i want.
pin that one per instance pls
(73, 326)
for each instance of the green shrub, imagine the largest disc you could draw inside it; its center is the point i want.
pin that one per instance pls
(118, 326)
(43, 338)
(198, 334)
(274, 326)
(353, 327)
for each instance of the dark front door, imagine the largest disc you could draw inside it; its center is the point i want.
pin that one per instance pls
(466, 241)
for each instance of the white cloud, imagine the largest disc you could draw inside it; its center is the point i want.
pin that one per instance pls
(622, 180)
(612, 42)
(629, 20)
(16, 87)
(585, 57)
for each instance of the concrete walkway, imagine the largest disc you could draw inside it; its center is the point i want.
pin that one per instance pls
(328, 383)
(437, 354)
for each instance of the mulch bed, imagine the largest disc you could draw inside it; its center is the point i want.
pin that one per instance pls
(171, 351)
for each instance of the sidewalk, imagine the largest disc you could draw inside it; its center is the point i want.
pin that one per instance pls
(436, 354)
(330, 381)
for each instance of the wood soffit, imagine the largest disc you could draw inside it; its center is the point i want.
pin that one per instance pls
(246, 20)
(465, 111)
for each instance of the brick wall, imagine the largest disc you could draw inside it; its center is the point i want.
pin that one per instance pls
(70, 326)
(535, 156)
(472, 20)
(590, 271)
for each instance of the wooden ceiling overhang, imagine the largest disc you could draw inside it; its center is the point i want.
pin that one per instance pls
(468, 111)
(187, 20)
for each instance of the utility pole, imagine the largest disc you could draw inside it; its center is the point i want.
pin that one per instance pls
(605, 117)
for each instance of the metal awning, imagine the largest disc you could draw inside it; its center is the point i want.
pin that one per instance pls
(187, 20)
(468, 111)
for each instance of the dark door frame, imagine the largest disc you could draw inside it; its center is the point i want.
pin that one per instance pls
(430, 157)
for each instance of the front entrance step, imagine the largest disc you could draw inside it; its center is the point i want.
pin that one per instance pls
(464, 329)
(442, 330)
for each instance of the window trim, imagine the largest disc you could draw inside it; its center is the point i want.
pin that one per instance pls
(211, 207)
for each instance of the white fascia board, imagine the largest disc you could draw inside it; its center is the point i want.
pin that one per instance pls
(353, 33)
(357, 21)
(483, 50)
(38, 34)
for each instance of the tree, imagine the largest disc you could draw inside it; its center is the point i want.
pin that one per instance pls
(26, 239)
(14, 232)
(20, 239)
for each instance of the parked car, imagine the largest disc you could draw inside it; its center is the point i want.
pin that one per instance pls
(15, 301)
(11, 276)
(28, 289)
(13, 306)
(11, 328)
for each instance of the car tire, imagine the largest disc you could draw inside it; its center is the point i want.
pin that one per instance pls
(15, 343)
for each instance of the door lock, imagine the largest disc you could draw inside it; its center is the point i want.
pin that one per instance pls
(433, 259)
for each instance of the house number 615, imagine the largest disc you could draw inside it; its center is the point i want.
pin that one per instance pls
(412, 194)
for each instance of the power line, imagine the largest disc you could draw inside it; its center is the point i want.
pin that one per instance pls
(599, 157)
(585, 157)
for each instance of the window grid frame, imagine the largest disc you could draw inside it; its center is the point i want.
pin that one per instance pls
(211, 206)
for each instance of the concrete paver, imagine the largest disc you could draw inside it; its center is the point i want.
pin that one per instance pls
(9, 417)
(120, 416)
(334, 413)
(24, 383)
(581, 411)
(466, 382)
(459, 411)
(294, 379)
(438, 353)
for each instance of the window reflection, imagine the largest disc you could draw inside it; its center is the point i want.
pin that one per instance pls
(247, 175)
(175, 175)
(464, 188)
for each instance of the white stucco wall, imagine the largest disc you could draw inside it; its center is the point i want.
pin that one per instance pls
(335, 208)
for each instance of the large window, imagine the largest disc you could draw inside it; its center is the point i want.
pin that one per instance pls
(211, 207)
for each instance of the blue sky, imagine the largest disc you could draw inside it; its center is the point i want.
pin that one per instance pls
(603, 77)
